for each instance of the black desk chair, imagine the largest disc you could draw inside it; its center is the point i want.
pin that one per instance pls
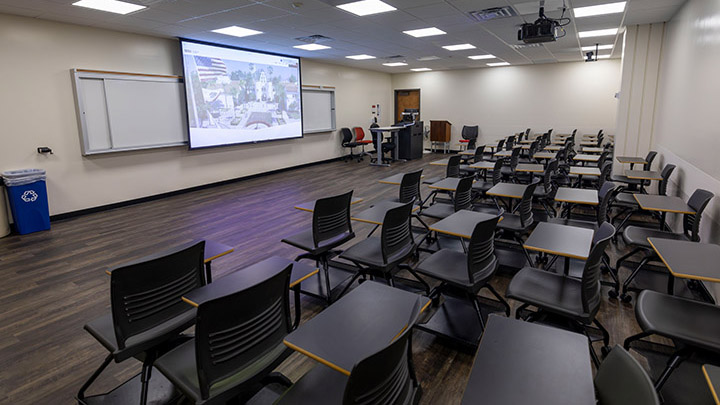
(527, 157)
(238, 343)
(621, 380)
(331, 228)
(465, 274)
(508, 170)
(462, 200)
(410, 188)
(385, 147)
(692, 326)
(634, 184)
(498, 148)
(469, 136)
(451, 170)
(383, 256)
(638, 237)
(477, 157)
(385, 377)
(577, 301)
(147, 312)
(510, 142)
(348, 142)
(515, 226)
(629, 206)
(545, 193)
(481, 188)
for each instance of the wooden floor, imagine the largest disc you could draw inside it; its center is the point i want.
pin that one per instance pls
(54, 282)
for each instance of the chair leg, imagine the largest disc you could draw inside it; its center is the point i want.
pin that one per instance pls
(145, 377)
(628, 341)
(520, 309)
(94, 376)
(352, 280)
(630, 278)
(606, 335)
(407, 267)
(478, 311)
(499, 297)
(326, 270)
(298, 314)
(678, 357)
(619, 261)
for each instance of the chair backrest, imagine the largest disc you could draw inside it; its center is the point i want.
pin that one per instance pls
(621, 380)
(533, 148)
(462, 198)
(649, 160)
(509, 142)
(525, 207)
(469, 132)
(665, 174)
(479, 151)
(410, 187)
(359, 134)
(605, 195)
(347, 135)
(527, 133)
(590, 294)
(550, 170)
(481, 250)
(453, 166)
(497, 172)
(387, 376)
(605, 171)
(396, 238)
(500, 145)
(691, 222)
(514, 158)
(147, 292)
(237, 330)
(331, 218)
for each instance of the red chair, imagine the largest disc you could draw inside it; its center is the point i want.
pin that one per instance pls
(360, 139)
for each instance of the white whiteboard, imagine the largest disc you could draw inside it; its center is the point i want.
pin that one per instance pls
(120, 112)
(318, 110)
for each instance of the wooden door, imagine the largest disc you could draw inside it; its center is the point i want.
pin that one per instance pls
(406, 99)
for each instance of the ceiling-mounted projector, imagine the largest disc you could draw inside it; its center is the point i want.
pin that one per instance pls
(544, 29)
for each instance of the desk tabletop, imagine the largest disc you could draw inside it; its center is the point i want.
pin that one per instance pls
(631, 159)
(527, 141)
(213, 250)
(249, 276)
(663, 203)
(525, 363)
(310, 205)
(584, 171)
(461, 223)
(586, 157)
(692, 260)
(376, 214)
(386, 129)
(557, 142)
(544, 155)
(587, 142)
(503, 153)
(509, 190)
(395, 179)
(360, 323)
(592, 149)
(483, 165)
(530, 167)
(712, 376)
(554, 148)
(643, 174)
(577, 196)
(446, 184)
(561, 240)
(467, 153)
(441, 162)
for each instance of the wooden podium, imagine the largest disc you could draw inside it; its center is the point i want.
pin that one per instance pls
(440, 133)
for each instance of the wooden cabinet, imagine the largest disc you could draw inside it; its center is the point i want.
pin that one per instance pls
(440, 131)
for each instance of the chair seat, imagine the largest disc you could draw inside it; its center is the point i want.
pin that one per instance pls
(540, 192)
(574, 222)
(550, 291)
(180, 367)
(304, 240)
(319, 386)
(439, 210)
(432, 180)
(103, 330)
(351, 145)
(511, 222)
(624, 179)
(635, 235)
(369, 253)
(482, 186)
(467, 168)
(364, 142)
(507, 171)
(625, 199)
(692, 322)
(451, 266)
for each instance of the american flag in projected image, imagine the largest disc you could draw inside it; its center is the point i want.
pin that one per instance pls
(210, 68)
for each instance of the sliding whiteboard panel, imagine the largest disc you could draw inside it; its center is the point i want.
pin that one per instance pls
(121, 112)
(318, 107)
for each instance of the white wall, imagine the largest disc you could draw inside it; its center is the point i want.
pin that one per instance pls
(37, 109)
(506, 100)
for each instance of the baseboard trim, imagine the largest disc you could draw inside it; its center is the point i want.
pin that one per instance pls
(86, 211)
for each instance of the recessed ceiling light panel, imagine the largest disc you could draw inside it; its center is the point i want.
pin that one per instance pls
(111, 6)
(459, 47)
(311, 47)
(480, 57)
(599, 48)
(360, 57)
(421, 69)
(425, 32)
(395, 64)
(600, 9)
(427, 58)
(237, 31)
(498, 64)
(367, 7)
(597, 33)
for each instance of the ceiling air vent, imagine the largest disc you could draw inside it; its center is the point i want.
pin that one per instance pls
(394, 57)
(315, 39)
(523, 46)
(492, 13)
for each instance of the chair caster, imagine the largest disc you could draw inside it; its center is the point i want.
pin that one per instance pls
(625, 297)
(613, 294)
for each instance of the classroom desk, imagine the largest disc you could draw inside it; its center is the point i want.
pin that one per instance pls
(689, 260)
(520, 362)
(511, 191)
(249, 276)
(569, 242)
(663, 204)
(395, 179)
(544, 155)
(467, 153)
(446, 184)
(378, 144)
(527, 141)
(588, 142)
(593, 149)
(643, 175)
(310, 205)
(440, 162)
(359, 324)
(572, 196)
(632, 160)
(712, 376)
(376, 214)
(483, 165)
(554, 148)
(460, 224)
(503, 154)
(581, 171)
(530, 168)
(584, 157)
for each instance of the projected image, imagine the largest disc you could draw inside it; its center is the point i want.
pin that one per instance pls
(237, 96)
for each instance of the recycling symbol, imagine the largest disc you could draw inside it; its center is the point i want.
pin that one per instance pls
(29, 196)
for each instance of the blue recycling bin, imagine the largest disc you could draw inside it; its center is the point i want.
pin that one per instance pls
(28, 200)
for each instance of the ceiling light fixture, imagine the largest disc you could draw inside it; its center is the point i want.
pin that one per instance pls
(597, 33)
(598, 47)
(600, 9)
(367, 7)
(459, 47)
(111, 6)
(480, 57)
(425, 32)
(360, 57)
(237, 31)
(311, 47)
(498, 64)
(421, 69)
(395, 64)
